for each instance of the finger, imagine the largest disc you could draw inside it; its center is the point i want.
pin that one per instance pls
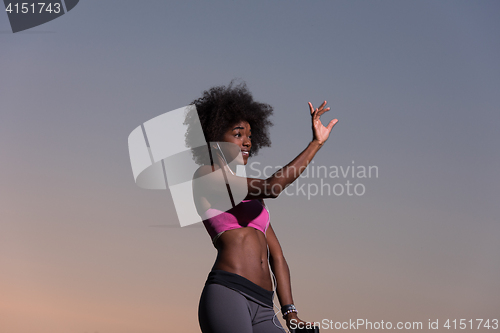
(331, 124)
(322, 106)
(311, 107)
(321, 111)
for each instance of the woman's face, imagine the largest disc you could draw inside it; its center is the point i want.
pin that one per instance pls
(241, 135)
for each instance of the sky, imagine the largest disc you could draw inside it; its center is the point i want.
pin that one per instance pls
(414, 85)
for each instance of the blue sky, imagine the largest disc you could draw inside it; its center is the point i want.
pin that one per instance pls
(413, 84)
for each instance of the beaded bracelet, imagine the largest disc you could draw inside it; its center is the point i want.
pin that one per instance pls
(286, 309)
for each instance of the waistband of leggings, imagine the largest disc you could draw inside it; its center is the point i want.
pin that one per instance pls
(238, 282)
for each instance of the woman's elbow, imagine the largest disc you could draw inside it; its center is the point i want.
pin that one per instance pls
(278, 259)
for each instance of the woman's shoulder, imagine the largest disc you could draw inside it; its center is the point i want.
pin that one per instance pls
(203, 171)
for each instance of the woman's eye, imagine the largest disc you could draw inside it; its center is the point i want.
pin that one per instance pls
(237, 135)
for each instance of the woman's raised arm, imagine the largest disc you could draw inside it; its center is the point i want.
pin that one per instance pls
(274, 185)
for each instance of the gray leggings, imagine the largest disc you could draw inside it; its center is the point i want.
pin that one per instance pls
(223, 310)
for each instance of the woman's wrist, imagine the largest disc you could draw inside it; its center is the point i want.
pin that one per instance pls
(316, 144)
(290, 316)
(288, 309)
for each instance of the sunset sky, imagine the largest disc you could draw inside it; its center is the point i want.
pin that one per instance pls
(414, 84)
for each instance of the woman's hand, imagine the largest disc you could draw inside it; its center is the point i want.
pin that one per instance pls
(320, 132)
(292, 321)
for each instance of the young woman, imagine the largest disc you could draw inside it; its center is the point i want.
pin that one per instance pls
(238, 294)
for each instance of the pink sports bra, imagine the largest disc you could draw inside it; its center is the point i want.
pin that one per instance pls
(248, 213)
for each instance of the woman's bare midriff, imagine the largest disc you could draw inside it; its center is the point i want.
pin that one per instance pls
(243, 251)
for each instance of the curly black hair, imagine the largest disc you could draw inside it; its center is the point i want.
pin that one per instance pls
(219, 108)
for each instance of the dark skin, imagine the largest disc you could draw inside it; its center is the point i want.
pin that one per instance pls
(243, 251)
